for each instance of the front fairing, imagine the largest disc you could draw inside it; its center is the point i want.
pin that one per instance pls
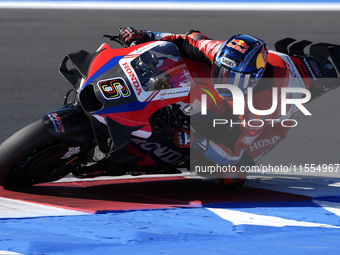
(124, 87)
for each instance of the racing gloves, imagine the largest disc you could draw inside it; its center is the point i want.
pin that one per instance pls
(130, 36)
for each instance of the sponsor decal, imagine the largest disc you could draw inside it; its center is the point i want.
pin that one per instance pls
(238, 45)
(228, 62)
(315, 68)
(329, 66)
(214, 47)
(159, 151)
(58, 126)
(187, 109)
(113, 88)
(248, 140)
(264, 142)
(133, 77)
(309, 68)
(71, 151)
(203, 43)
(170, 93)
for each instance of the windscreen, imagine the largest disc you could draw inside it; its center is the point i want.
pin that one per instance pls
(161, 67)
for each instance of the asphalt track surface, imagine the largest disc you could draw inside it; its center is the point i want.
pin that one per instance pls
(109, 217)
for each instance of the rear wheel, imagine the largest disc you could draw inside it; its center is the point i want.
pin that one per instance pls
(32, 155)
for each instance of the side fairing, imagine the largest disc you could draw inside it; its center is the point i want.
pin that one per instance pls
(119, 93)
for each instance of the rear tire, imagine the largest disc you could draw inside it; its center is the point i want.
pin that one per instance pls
(32, 155)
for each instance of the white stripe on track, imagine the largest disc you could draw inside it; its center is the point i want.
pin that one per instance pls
(244, 218)
(333, 207)
(9, 253)
(11, 208)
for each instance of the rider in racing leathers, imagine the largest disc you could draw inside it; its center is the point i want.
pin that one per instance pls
(241, 60)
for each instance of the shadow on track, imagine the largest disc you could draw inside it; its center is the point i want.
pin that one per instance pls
(135, 194)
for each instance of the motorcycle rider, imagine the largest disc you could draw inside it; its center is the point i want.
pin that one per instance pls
(242, 61)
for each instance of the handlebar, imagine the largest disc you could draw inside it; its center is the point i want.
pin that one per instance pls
(115, 38)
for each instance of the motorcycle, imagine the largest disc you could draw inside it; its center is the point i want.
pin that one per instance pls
(121, 113)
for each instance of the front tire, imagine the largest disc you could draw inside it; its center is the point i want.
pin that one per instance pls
(32, 155)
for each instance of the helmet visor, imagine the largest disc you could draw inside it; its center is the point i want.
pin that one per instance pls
(223, 75)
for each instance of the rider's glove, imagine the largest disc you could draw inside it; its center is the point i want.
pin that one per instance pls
(129, 35)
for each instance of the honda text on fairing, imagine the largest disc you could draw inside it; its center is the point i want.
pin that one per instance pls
(120, 115)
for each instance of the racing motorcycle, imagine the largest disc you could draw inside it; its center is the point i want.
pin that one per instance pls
(121, 113)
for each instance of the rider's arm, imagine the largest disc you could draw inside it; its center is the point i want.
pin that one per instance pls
(194, 45)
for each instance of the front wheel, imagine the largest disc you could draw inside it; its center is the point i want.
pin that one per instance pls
(32, 155)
